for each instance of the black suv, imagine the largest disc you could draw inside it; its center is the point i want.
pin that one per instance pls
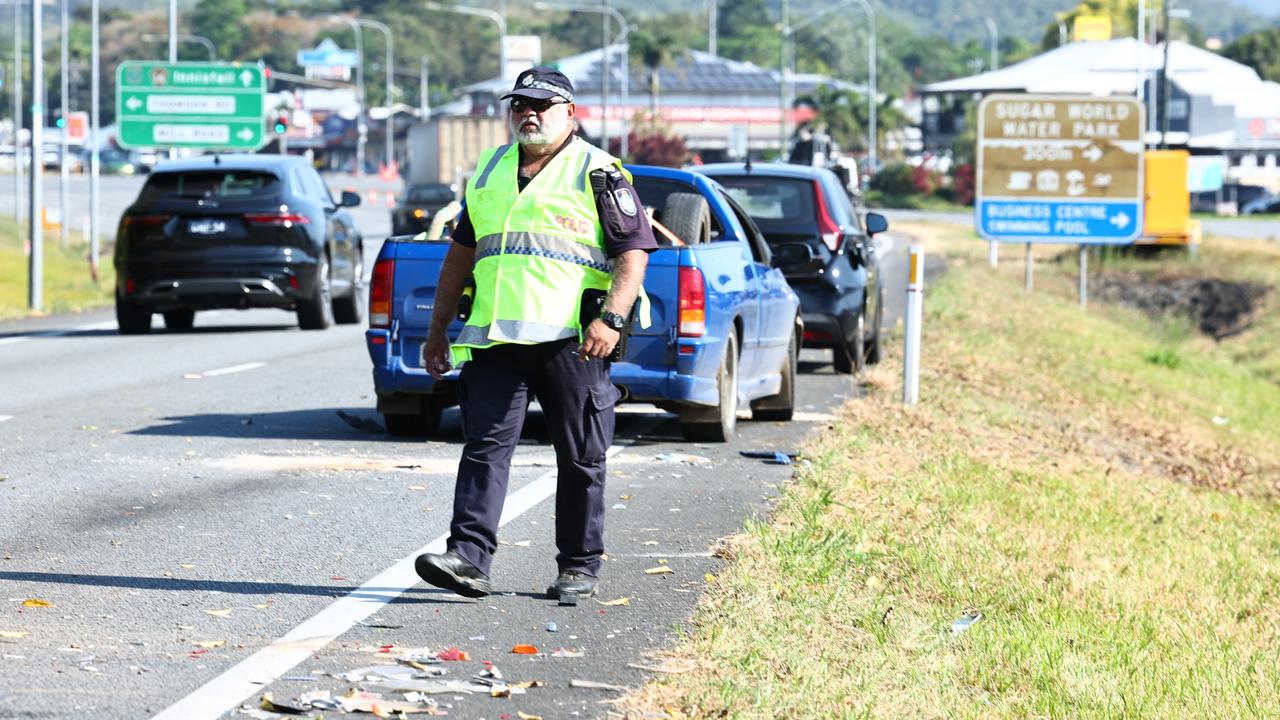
(415, 208)
(820, 244)
(238, 231)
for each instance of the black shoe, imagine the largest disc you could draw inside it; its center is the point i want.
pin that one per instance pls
(572, 581)
(453, 572)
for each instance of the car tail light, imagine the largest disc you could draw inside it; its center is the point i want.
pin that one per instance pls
(280, 219)
(380, 291)
(693, 303)
(130, 286)
(419, 213)
(826, 226)
(817, 336)
(132, 221)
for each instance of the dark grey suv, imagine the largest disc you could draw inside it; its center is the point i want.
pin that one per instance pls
(238, 231)
(823, 249)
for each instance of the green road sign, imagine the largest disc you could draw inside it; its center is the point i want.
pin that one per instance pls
(215, 106)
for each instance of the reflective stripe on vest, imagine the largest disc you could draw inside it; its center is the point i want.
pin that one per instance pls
(548, 246)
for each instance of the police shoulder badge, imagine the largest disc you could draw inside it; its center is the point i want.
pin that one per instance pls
(626, 201)
(528, 80)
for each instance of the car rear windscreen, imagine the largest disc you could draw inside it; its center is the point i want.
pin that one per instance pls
(217, 184)
(435, 194)
(772, 201)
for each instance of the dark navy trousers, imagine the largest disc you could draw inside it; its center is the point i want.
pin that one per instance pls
(577, 398)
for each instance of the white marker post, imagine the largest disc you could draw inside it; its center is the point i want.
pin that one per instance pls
(1030, 269)
(914, 319)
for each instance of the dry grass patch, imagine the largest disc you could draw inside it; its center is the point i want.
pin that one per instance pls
(1120, 542)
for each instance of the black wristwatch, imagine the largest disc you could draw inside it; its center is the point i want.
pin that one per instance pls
(613, 320)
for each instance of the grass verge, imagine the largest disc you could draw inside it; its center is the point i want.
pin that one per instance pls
(68, 284)
(1110, 513)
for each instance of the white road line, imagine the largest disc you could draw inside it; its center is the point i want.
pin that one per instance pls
(57, 333)
(248, 677)
(234, 369)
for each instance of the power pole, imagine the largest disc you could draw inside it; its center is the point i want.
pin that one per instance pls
(95, 77)
(36, 266)
(1164, 80)
(65, 89)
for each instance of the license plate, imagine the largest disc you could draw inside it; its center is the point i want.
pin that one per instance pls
(207, 227)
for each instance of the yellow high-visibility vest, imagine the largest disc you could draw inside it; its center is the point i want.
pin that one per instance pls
(536, 250)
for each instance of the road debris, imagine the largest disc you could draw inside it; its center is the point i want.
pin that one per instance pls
(553, 627)
(593, 685)
(965, 622)
(376, 623)
(36, 603)
(620, 602)
(13, 634)
(566, 653)
(210, 644)
(682, 459)
(269, 704)
(224, 612)
(660, 570)
(771, 457)
(525, 650)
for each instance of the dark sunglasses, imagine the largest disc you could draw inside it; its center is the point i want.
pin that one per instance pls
(519, 105)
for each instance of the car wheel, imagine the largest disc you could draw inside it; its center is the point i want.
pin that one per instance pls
(422, 424)
(180, 319)
(350, 310)
(316, 312)
(781, 406)
(131, 318)
(849, 359)
(717, 424)
(873, 344)
(688, 217)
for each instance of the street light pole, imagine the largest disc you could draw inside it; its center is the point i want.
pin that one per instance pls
(713, 22)
(362, 130)
(497, 19)
(873, 137)
(995, 42)
(624, 39)
(64, 90)
(782, 79)
(424, 87)
(95, 63)
(173, 31)
(18, 117)
(35, 221)
(390, 151)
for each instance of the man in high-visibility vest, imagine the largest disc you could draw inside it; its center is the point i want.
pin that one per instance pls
(551, 226)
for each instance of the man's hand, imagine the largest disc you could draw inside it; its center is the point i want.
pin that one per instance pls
(598, 341)
(436, 356)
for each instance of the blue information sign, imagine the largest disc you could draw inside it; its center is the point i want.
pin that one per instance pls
(1095, 222)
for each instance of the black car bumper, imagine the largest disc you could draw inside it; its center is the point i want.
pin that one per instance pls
(201, 286)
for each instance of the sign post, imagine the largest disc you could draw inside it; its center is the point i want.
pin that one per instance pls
(1059, 169)
(212, 106)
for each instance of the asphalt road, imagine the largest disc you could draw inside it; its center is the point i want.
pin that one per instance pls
(205, 525)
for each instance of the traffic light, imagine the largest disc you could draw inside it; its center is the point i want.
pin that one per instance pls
(282, 123)
(58, 120)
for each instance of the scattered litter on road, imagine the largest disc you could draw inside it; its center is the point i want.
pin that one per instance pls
(187, 566)
(476, 638)
(619, 506)
(593, 685)
(453, 654)
(961, 624)
(224, 612)
(649, 542)
(269, 704)
(566, 653)
(36, 603)
(553, 627)
(376, 623)
(210, 644)
(660, 570)
(682, 458)
(772, 457)
(521, 543)
(13, 634)
(525, 650)
(622, 601)
(527, 716)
